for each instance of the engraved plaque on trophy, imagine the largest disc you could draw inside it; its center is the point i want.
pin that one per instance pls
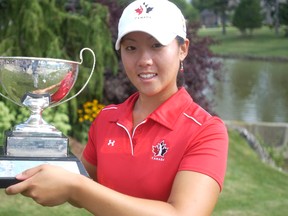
(37, 83)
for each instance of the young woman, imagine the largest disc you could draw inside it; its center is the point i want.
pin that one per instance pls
(158, 153)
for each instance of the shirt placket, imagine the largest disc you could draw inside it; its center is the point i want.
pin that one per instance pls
(131, 136)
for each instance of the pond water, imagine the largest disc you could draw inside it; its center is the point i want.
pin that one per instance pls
(253, 91)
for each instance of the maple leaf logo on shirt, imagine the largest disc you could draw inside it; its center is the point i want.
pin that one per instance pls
(160, 149)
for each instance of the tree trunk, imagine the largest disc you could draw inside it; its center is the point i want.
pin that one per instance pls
(223, 22)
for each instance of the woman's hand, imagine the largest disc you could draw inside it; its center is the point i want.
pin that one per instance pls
(46, 184)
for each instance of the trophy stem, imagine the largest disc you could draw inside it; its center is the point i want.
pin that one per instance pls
(35, 136)
(35, 124)
(35, 118)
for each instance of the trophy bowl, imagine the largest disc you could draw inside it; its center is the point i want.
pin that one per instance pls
(37, 83)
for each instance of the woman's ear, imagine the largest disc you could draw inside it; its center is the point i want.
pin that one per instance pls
(184, 49)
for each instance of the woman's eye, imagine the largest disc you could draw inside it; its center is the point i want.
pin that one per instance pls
(130, 48)
(157, 45)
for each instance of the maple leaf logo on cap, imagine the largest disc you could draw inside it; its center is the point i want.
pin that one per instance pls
(140, 10)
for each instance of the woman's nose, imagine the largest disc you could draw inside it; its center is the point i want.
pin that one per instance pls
(145, 59)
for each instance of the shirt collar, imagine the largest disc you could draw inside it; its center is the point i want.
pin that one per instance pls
(166, 114)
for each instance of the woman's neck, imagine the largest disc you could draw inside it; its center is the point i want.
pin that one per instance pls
(145, 105)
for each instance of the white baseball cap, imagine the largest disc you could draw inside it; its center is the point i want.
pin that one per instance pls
(160, 18)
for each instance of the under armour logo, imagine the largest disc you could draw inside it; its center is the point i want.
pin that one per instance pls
(111, 142)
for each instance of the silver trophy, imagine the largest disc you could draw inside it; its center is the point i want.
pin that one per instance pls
(37, 83)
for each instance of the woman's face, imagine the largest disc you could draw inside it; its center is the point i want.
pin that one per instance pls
(150, 66)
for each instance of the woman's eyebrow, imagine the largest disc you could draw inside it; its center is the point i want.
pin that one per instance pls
(128, 39)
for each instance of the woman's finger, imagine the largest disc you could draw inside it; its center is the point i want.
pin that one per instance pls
(23, 185)
(17, 188)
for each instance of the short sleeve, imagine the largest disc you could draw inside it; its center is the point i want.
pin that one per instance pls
(90, 152)
(208, 151)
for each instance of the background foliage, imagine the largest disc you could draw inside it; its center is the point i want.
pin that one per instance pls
(61, 28)
(47, 28)
(248, 16)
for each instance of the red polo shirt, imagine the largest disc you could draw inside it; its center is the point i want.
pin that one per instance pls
(143, 162)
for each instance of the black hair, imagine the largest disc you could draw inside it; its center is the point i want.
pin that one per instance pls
(180, 40)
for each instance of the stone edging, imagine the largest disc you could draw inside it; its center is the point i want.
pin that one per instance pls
(253, 143)
(249, 57)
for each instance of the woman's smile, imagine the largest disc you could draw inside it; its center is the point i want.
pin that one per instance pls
(147, 76)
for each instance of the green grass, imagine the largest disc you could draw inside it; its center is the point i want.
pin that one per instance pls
(263, 42)
(19, 205)
(251, 188)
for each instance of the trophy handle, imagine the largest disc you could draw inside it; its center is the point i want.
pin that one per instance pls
(91, 73)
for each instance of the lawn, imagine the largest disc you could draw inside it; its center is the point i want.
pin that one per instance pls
(19, 205)
(251, 188)
(263, 42)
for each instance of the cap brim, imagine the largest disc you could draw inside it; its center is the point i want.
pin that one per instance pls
(163, 37)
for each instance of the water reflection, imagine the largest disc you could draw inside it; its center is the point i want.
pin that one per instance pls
(253, 91)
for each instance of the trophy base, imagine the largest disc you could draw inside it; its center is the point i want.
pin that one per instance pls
(31, 144)
(23, 151)
(11, 166)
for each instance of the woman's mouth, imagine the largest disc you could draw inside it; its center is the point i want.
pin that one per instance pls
(147, 75)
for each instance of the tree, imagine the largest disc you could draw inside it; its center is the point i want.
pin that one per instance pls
(218, 6)
(283, 16)
(272, 9)
(247, 16)
(278, 12)
(221, 7)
